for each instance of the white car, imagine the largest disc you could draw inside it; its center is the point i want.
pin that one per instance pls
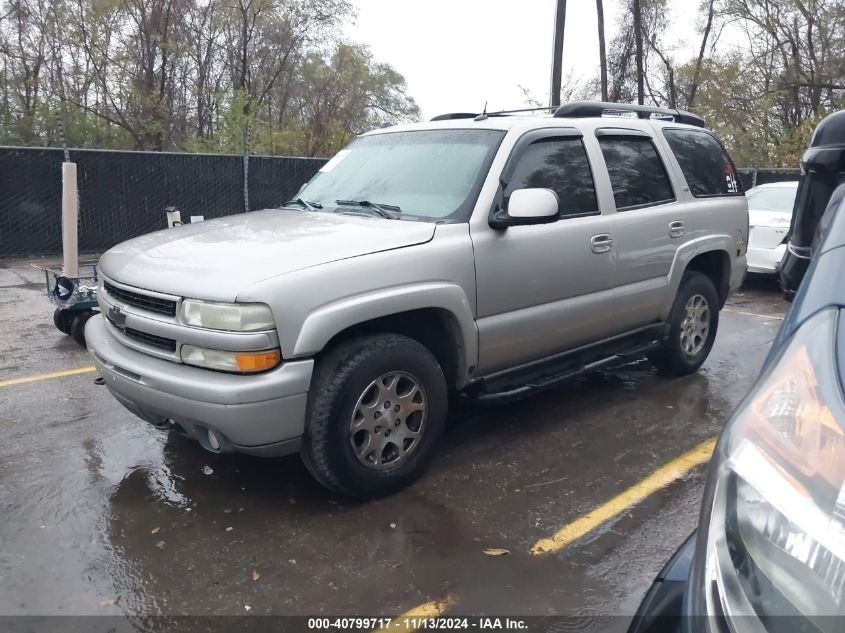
(769, 217)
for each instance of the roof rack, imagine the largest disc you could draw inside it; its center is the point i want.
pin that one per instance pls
(450, 116)
(585, 109)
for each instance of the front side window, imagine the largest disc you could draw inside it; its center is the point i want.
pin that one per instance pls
(559, 164)
(636, 171)
(427, 174)
(706, 165)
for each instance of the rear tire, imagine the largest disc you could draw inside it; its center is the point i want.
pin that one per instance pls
(693, 323)
(376, 415)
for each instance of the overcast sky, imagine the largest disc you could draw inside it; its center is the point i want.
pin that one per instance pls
(457, 54)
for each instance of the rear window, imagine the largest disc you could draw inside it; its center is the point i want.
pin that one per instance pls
(706, 165)
(772, 199)
(636, 172)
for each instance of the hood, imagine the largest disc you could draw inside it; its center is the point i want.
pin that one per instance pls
(774, 219)
(216, 259)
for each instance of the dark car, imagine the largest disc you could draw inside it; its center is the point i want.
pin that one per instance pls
(769, 553)
(822, 170)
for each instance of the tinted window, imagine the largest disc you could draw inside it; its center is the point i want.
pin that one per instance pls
(560, 165)
(636, 172)
(705, 163)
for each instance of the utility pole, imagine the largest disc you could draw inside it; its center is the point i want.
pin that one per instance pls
(557, 53)
(638, 39)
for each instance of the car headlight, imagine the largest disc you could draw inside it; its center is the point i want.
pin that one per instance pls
(234, 317)
(239, 362)
(775, 499)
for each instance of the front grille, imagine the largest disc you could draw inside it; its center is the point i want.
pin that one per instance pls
(160, 342)
(145, 302)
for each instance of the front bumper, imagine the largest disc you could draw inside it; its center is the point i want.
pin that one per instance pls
(661, 610)
(793, 267)
(262, 414)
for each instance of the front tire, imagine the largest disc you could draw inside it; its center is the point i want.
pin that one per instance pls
(693, 323)
(376, 414)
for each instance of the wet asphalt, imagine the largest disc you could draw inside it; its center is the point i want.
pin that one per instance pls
(102, 514)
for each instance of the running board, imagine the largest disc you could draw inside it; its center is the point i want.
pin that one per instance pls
(538, 376)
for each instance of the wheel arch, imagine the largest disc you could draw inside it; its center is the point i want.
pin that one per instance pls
(438, 316)
(715, 264)
(711, 257)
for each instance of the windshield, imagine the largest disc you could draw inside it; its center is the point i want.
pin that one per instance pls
(427, 174)
(772, 199)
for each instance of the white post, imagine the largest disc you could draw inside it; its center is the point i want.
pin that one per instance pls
(174, 218)
(70, 220)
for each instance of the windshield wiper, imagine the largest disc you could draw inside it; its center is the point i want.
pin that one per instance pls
(388, 211)
(308, 206)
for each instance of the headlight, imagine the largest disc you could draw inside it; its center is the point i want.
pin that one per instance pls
(240, 362)
(234, 317)
(775, 544)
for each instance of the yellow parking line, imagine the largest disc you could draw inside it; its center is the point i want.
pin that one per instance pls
(55, 374)
(431, 609)
(660, 478)
(754, 314)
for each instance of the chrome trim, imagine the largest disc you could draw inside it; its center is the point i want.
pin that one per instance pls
(794, 250)
(141, 291)
(169, 327)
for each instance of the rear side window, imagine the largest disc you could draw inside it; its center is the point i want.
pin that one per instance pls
(706, 165)
(636, 171)
(559, 164)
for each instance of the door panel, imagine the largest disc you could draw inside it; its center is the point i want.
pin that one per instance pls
(645, 251)
(648, 225)
(541, 290)
(547, 288)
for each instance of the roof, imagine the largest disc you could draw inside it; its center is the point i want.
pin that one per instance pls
(525, 123)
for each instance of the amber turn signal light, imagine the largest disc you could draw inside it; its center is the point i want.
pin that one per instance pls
(258, 361)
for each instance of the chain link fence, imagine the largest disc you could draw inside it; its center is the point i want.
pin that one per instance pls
(125, 194)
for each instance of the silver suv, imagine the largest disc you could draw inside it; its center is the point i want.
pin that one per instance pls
(486, 256)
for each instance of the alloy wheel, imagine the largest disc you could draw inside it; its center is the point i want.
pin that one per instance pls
(696, 325)
(388, 420)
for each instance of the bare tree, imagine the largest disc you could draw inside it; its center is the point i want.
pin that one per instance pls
(195, 74)
(696, 76)
(636, 8)
(602, 51)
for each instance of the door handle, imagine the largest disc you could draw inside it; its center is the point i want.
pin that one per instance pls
(676, 229)
(601, 243)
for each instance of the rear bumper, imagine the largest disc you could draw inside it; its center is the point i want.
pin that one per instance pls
(263, 414)
(765, 260)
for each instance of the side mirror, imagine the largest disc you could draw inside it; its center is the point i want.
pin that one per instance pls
(527, 206)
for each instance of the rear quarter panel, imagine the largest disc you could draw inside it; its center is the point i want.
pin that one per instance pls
(711, 224)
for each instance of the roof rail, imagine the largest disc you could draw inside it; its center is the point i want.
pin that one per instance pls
(585, 109)
(483, 115)
(455, 115)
